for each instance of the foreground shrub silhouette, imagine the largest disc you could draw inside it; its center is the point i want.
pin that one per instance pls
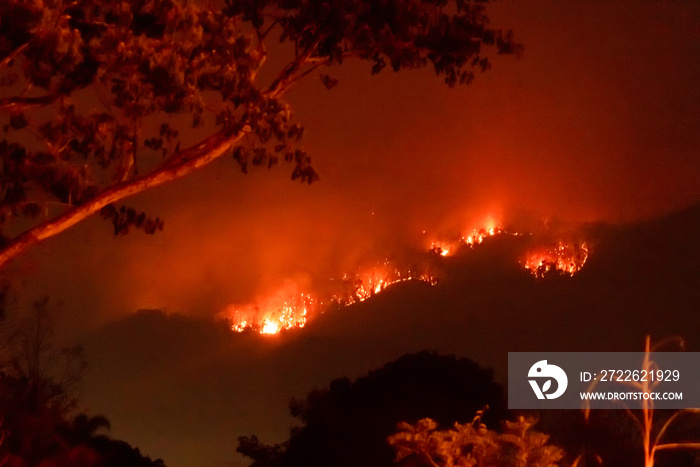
(422, 444)
(348, 423)
(38, 405)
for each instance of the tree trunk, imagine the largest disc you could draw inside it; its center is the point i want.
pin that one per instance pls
(189, 160)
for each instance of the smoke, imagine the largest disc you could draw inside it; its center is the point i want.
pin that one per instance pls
(586, 126)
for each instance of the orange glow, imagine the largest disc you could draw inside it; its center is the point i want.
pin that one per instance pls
(565, 258)
(270, 327)
(288, 308)
(285, 309)
(478, 236)
(443, 248)
(470, 238)
(363, 285)
(280, 310)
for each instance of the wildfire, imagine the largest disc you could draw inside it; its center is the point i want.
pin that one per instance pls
(478, 236)
(283, 310)
(290, 309)
(363, 285)
(271, 315)
(443, 248)
(469, 238)
(565, 258)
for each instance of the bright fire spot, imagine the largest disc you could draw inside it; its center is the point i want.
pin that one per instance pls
(270, 327)
(565, 258)
(443, 248)
(272, 314)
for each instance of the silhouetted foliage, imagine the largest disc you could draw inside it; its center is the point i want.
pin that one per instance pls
(473, 445)
(89, 90)
(39, 436)
(37, 405)
(348, 423)
(615, 438)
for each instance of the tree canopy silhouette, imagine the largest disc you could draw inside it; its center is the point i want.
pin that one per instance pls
(38, 419)
(90, 91)
(348, 423)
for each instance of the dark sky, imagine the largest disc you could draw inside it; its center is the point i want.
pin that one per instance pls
(597, 121)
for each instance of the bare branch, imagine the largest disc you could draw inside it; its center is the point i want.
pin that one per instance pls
(669, 422)
(661, 447)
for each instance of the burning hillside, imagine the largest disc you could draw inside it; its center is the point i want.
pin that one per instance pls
(290, 308)
(564, 258)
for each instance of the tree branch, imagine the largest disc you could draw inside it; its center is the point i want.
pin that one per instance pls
(280, 84)
(317, 63)
(286, 76)
(661, 447)
(17, 104)
(275, 22)
(309, 70)
(176, 166)
(12, 55)
(191, 159)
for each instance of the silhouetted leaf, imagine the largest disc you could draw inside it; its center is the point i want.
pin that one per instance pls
(328, 82)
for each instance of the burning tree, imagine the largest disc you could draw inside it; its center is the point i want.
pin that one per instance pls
(99, 98)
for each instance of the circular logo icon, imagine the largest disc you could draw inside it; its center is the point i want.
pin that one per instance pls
(544, 372)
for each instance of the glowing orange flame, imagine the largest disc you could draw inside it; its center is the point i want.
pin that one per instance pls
(272, 314)
(365, 284)
(565, 258)
(282, 310)
(478, 236)
(469, 238)
(443, 248)
(290, 309)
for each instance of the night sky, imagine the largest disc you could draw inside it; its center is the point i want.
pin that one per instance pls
(595, 127)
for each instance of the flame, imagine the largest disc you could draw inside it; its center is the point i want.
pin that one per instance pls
(284, 310)
(270, 327)
(565, 258)
(272, 314)
(443, 248)
(365, 284)
(287, 308)
(478, 236)
(469, 238)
